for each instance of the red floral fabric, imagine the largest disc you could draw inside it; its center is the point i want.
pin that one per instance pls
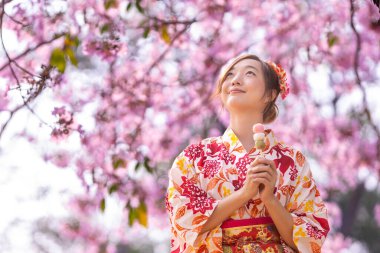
(206, 172)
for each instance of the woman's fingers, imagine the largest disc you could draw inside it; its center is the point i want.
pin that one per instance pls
(257, 161)
(261, 160)
(272, 164)
(262, 175)
(259, 173)
(260, 168)
(255, 180)
(264, 181)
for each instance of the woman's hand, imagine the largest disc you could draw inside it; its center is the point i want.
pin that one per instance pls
(250, 188)
(263, 172)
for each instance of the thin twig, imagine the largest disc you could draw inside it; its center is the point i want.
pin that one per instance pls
(358, 79)
(159, 59)
(16, 21)
(42, 43)
(30, 98)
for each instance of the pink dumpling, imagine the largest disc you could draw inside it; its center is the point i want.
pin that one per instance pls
(258, 128)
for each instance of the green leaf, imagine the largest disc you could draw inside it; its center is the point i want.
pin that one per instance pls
(57, 59)
(75, 41)
(113, 188)
(142, 215)
(69, 48)
(105, 28)
(139, 213)
(147, 166)
(102, 205)
(132, 216)
(110, 4)
(71, 41)
(138, 6)
(165, 35)
(118, 162)
(332, 39)
(72, 57)
(146, 32)
(137, 166)
(129, 6)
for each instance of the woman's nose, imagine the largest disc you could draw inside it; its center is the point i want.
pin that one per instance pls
(236, 80)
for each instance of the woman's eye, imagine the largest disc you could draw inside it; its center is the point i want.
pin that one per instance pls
(229, 74)
(250, 72)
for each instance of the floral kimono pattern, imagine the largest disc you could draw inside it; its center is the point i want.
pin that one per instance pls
(206, 172)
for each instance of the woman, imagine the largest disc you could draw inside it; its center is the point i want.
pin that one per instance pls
(224, 196)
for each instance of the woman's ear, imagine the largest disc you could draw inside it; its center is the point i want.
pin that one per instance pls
(271, 97)
(274, 95)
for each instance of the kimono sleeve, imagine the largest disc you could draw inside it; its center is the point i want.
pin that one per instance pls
(308, 211)
(188, 205)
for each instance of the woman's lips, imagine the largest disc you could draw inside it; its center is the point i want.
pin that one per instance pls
(236, 91)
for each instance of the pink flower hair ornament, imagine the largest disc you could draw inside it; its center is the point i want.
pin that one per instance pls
(284, 86)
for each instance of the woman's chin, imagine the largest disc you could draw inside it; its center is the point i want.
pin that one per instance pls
(235, 104)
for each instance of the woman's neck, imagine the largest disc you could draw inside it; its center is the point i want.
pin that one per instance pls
(242, 124)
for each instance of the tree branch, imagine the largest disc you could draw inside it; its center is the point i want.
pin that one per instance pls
(366, 111)
(44, 75)
(27, 51)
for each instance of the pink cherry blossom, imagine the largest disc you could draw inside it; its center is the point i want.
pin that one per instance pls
(132, 81)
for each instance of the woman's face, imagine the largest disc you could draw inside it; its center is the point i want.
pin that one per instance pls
(244, 87)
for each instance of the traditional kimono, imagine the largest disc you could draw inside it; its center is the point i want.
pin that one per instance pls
(206, 172)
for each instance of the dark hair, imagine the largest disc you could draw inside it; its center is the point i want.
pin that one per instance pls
(271, 79)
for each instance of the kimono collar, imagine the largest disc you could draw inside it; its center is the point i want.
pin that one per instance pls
(231, 141)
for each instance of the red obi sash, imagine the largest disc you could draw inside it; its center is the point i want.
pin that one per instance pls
(250, 235)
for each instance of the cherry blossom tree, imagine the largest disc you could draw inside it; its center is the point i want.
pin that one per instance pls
(132, 81)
